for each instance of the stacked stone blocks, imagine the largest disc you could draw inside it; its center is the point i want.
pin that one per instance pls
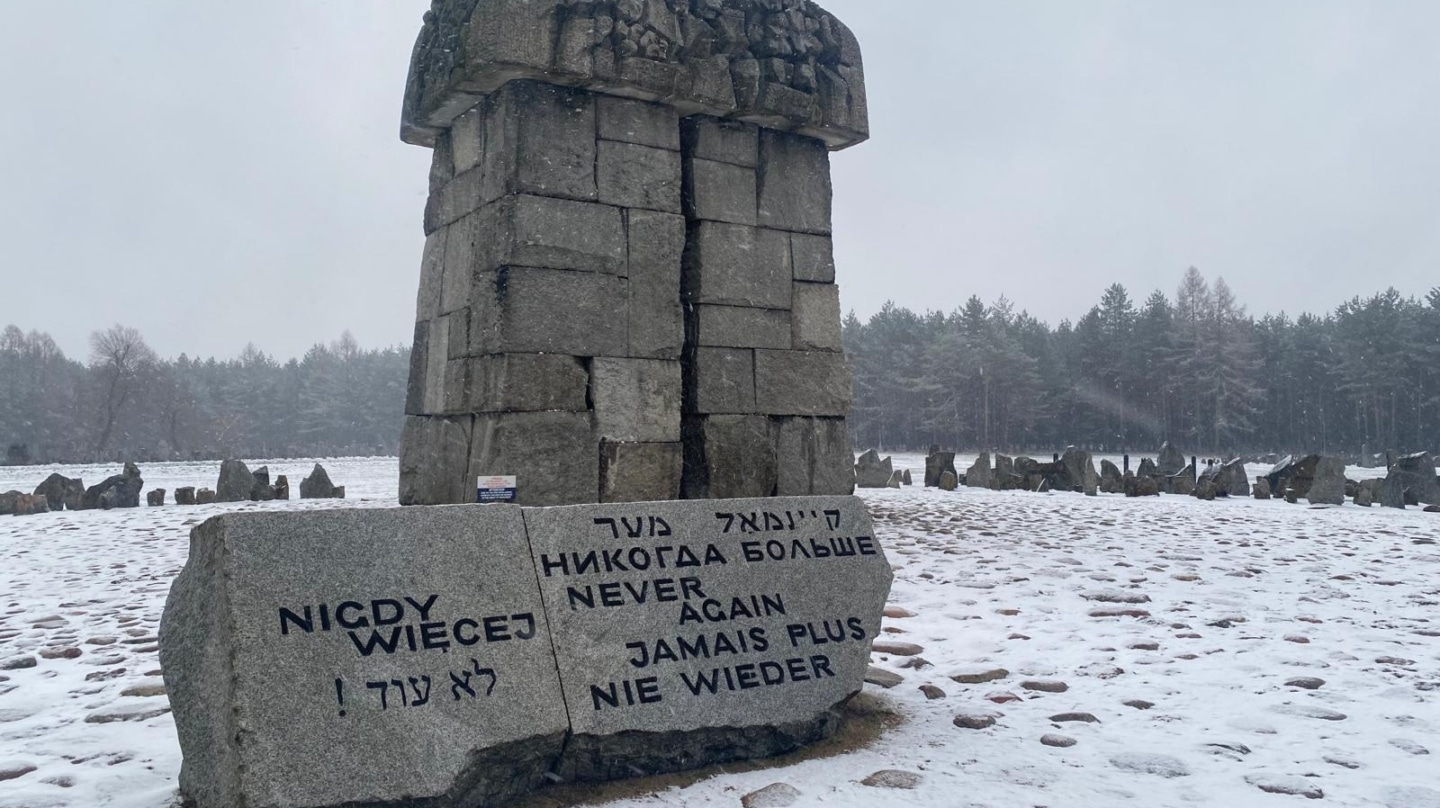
(628, 289)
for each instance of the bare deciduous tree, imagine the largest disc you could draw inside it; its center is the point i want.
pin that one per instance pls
(116, 354)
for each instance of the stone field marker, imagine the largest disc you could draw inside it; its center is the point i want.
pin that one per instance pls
(628, 287)
(462, 656)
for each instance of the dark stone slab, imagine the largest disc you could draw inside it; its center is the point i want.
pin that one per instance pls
(815, 317)
(721, 140)
(527, 383)
(636, 400)
(743, 327)
(802, 383)
(634, 176)
(721, 380)
(656, 253)
(729, 457)
(639, 122)
(640, 472)
(527, 310)
(742, 643)
(813, 457)
(794, 185)
(555, 455)
(734, 265)
(719, 192)
(276, 702)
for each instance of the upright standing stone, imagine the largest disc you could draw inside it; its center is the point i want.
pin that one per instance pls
(1327, 487)
(1416, 473)
(349, 657)
(872, 472)
(744, 648)
(628, 255)
(1171, 460)
(938, 463)
(978, 475)
(236, 483)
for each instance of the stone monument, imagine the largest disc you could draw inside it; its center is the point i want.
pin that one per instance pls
(463, 656)
(628, 287)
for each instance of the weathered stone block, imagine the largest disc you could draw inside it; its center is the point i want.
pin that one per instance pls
(742, 327)
(640, 472)
(527, 383)
(278, 632)
(721, 380)
(657, 249)
(639, 122)
(816, 317)
(636, 400)
(726, 141)
(813, 258)
(633, 176)
(539, 139)
(554, 455)
(437, 349)
(419, 366)
(535, 231)
(734, 265)
(719, 192)
(434, 463)
(813, 456)
(729, 457)
(781, 691)
(795, 188)
(432, 276)
(525, 310)
(802, 383)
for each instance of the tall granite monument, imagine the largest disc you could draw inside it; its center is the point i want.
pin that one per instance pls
(628, 288)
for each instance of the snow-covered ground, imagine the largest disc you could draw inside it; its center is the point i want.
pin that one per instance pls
(1220, 607)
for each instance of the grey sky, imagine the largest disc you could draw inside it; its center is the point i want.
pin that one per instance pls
(217, 173)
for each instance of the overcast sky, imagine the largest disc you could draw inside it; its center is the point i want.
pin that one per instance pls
(222, 173)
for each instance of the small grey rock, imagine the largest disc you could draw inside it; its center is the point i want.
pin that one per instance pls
(14, 771)
(1058, 741)
(1074, 718)
(1292, 786)
(932, 692)
(975, 720)
(1140, 704)
(1409, 747)
(981, 677)
(882, 678)
(1344, 763)
(775, 795)
(892, 778)
(1306, 683)
(1045, 686)
(18, 663)
(1143, 763)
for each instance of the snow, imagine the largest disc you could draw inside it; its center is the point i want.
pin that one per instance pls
(1241, 597)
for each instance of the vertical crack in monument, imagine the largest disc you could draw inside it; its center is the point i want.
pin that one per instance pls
(628, 287)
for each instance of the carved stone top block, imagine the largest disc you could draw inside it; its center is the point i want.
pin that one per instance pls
(783, 64)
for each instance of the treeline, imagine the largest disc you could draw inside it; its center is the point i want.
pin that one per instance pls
(1196, 370)
(127, 403)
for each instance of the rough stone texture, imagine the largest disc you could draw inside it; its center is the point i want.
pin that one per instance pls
(736, 265)
(1328, 487)
(813, 457)
(317, 485)
(235, 482)
(555, 455)
(120, 491)
(979, 473)
(622, 181)
(63, 493)
(872, 472)
(765, 702)
(730, 457)
(252, 690)
(701, 58)
(815, 315)
(640, 472)
(1416, 473)
(434, 464)
(185, 495)
(937, 463)
(1171, 460)
(802, 383)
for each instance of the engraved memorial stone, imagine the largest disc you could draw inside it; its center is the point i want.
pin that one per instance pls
(361, 658)
(691, 633)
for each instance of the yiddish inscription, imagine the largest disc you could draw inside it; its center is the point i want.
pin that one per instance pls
(673, 616)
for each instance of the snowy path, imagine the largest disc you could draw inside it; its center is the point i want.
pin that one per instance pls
(1232, 601)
